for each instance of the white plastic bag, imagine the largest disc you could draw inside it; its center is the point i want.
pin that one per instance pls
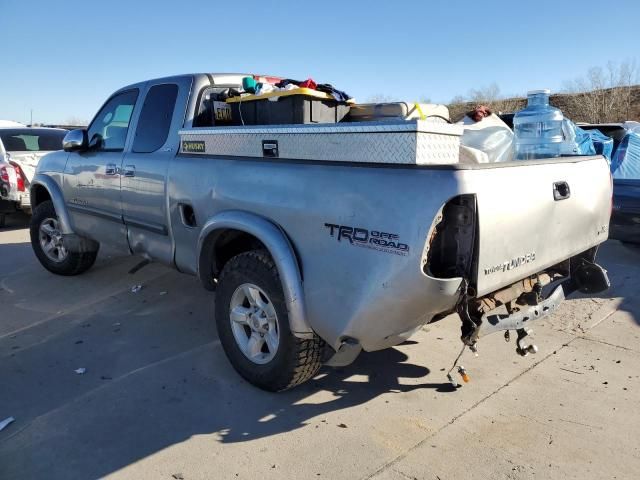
(487, 141)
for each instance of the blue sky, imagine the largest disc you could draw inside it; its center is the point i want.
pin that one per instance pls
(62, 59)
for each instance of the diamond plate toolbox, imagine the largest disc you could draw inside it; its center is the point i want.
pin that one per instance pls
(413, 142)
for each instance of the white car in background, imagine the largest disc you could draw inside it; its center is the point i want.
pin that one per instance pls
(9, 123)
(21, 148)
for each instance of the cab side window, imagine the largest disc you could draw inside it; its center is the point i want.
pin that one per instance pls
(155, 118)
(109, 129)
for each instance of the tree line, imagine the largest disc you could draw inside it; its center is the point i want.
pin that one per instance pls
(603, 95)
(609, 93)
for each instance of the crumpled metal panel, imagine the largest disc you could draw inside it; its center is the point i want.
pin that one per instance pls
(407, 142)
(28, 161)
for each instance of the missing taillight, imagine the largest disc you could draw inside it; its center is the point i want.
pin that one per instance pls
(451, 245)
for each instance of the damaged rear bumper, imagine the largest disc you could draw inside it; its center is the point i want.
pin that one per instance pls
(523, 303)
(498, 320)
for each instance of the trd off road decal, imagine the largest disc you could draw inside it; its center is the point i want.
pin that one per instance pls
(373, 239)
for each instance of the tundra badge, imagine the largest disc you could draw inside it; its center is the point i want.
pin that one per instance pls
(511, 264)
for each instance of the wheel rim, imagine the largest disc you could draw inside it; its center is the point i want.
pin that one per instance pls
(51, 240)
(254, 323)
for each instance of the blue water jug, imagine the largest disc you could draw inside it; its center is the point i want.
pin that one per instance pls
(538, 128)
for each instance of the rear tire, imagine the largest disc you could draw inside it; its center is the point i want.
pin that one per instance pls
(48, 244)
(292, 360)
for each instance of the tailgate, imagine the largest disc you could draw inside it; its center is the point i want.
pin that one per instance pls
(529, 221)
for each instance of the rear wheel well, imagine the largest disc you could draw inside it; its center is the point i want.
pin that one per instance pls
(220, 247)
(39, 194)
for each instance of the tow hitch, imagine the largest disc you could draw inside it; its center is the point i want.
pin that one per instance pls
(506, 318)
(522, 348)
(519, 305)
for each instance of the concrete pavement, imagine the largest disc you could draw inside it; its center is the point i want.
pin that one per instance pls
(160, 401)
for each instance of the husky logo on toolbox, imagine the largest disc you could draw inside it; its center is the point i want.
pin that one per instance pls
(374, 239)
(193, 146)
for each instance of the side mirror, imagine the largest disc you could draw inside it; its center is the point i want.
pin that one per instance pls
(75, 141)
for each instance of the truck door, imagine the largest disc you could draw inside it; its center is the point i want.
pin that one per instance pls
(145, 166)
(92, 177)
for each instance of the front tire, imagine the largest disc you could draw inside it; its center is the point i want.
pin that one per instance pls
(48, 245)
(253, 326)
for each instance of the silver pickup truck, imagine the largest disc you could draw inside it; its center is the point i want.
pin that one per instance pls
(313, 262)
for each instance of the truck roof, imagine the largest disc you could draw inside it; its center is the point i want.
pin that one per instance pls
(214, 78)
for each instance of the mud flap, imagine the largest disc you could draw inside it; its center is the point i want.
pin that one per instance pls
(590, 278)
(346, 354)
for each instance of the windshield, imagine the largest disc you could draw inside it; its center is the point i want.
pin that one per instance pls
(31, 139)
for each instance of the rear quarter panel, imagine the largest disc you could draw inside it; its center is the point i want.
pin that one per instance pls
(369, 294)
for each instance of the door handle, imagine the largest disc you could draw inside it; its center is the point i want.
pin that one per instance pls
(111, 169)
(561, 191)
(129, 170)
